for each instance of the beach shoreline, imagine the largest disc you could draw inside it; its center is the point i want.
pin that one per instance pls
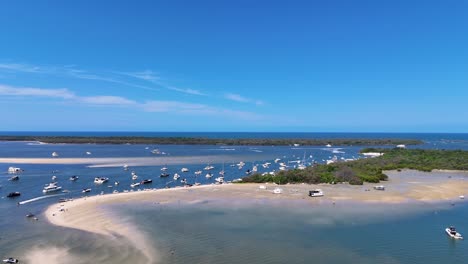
(90, 214)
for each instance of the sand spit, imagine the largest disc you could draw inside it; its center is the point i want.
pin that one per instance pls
(135, 161)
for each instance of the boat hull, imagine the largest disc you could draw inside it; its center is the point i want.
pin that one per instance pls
(456, 236)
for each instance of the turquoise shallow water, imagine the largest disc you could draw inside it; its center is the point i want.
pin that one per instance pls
(349, 233)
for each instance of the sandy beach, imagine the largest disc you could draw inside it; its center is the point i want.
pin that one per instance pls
(132, 161)
(90, 214)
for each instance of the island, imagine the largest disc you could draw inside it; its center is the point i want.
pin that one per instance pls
(214, 141)
(370, 169)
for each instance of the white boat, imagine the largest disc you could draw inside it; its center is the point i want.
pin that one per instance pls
(237, 180)
(74, 178)
(453, 233)
(134, 176)
(208, 167)
(277, 160)
(100, 180)
(125, 167)
(332, 160)
(12, 170)
(55, 154)
(184, 170)
(240, 164)
(164, 168)
(282, 168)
(262, 187)
(316, 193)
(221, 173)
(156, 151)
(51, 187)
(254, 169)
(266, 165)
(328, 145)
(184, 181)
(176, 176)
(277, 190)
(116, 183)
(86, 190)
(198, 172)
(54, 178)
(208, 175)
(220, 179)
(88, 153)
(136, 184)
(301, 167)
(379, 188)
(10, 260)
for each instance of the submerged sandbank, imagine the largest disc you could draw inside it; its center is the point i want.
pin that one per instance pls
(135, 161)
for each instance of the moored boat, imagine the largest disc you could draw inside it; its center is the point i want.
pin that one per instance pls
(164, 174)
(316, 193)
(51, 187)
(74, 178)
(12, 170)
(379, 188)
(452, 232)
(14, 178)
(100, 180)
(146, 181)
(10, 260)
(13, 194)
(86, 190)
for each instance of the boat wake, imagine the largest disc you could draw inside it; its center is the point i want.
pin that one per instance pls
(39, 198)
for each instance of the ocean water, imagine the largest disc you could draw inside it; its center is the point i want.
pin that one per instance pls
(212, 234)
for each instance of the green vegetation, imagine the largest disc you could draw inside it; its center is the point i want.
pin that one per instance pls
(371, 169)
(211, 141)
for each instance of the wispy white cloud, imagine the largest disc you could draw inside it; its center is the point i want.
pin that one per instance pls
(152, 77)
(242, 99)
(18, 67)
(26, 91)
(106, 100)
(156, 106)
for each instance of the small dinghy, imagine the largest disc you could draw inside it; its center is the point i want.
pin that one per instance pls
(452, 232)
(10, 260)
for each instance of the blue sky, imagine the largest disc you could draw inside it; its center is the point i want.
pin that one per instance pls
(389, 66)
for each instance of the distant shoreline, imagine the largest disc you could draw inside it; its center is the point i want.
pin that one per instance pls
(213, 141)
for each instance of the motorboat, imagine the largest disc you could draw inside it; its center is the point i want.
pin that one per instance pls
(30, 215)
(282, 168)
(10, 260)
(221, 173)
(248, 172)
(296, 145)
(198, 172)
(220, 179)
(262, 187)
(176, 177)
(125, 167)
(54, 178)
(14, 178)
(237, 180)
(100, 180)
(316, 193)
(55, 154)
(328, 145)
(208, 167)
(51, 187)
(254, 169)
(184, 181)
(134, 176)
(277, 190)
(379, 188)
(136, 184)
(164, 168)
(184, 170)
(86, 190)
(12, 170)
(277, 159)
(452, 232)
(146, 181)
(301, 167)
(164, 174)
(88, 153)
(156, 151)
(208, 175)
(74, 178)
(116, 183)
(13, 194)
